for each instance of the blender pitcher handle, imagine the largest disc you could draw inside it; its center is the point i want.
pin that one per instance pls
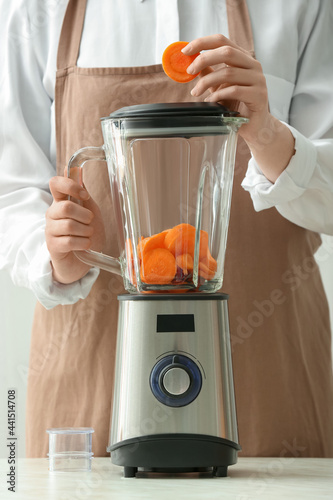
(77, 161)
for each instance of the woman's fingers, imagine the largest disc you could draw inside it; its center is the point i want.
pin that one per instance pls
(66, 227)
(62, 187)
(66, 209)
(209, 42)
(72, 226)
(222, 63)
(253, 100)
(236, 77)
(223, 55)
(226, 76)
(205, 72)
(65, 234)
(63, 245)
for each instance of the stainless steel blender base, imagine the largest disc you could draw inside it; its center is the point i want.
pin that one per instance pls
(173, 406)
(175, 453)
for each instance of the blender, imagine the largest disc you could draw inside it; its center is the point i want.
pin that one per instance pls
(170, 168)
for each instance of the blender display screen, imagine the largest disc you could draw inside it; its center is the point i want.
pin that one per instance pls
(175, 323)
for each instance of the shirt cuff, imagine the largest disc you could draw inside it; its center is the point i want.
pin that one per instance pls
(291, 183)
(50, 293)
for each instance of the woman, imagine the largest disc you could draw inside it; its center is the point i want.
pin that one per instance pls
(279, 316)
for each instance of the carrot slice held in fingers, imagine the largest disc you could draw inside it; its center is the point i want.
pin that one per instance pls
(158, 267)
(175, 63)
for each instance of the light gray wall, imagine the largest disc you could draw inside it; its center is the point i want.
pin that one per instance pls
(16, 313)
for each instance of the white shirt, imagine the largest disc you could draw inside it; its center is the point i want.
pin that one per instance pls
(293, 41)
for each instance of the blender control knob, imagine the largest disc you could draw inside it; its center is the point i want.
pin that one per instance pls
(176, 381)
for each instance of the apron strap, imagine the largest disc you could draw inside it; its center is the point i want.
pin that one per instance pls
(70, 35)
(239, 24)
(240, 32)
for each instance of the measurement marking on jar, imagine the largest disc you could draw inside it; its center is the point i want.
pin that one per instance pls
(11, 439)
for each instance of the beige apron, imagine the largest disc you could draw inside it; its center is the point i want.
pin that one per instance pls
(278, 311)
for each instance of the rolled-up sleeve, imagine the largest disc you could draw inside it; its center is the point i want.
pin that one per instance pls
(25, 161)
(303, 193)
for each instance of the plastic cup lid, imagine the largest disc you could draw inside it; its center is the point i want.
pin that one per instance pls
(71, 430)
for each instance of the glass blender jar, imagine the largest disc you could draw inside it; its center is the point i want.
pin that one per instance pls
(171, 172)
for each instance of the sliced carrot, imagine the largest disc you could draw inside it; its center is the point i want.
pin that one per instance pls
(205, 272)
(210, 262)
(185, 262)
(181, 239)
(140, 247)
(203, 244)
(158, 267)
(175, 63)
(168, 257)
(155, 241)
(204, 253)
(150, 243)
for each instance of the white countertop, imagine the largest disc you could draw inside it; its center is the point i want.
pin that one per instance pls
(250, 479)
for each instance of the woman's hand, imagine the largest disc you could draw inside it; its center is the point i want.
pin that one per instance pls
(69, 227)
(239, 77)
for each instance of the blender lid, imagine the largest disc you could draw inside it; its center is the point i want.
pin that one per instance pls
(173, 109)
(189, 118)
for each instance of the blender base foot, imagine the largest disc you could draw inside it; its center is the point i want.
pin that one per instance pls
(130, 471)
(220, 471)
